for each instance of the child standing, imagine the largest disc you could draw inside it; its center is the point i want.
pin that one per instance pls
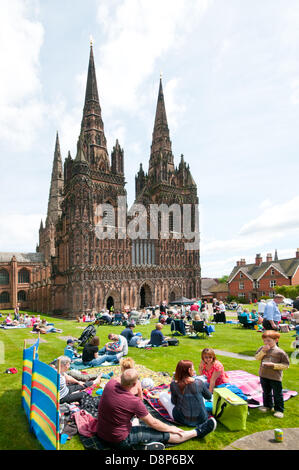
(273, 361)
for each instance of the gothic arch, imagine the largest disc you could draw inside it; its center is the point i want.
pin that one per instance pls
(145, 295)
(115, 295)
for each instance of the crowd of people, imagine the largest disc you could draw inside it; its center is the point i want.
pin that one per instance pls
(123, 420)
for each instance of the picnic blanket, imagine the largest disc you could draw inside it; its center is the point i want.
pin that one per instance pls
(8, 327)
(248, 383)
(251, 387)
(94, 443)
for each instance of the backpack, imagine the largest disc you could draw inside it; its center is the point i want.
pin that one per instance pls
(173, 342)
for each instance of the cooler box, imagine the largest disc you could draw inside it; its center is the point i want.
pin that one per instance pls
(229, 409)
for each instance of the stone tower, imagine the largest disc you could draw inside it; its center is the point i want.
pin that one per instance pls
(47, 233)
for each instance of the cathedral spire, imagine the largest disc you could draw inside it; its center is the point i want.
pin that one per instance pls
(161, 144)
(91, 93)
(92, 126)
(56, 187)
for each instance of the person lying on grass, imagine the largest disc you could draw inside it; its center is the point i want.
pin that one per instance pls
(117, 408)
(212, 369)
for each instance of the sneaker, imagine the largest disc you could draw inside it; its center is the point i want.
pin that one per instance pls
(154, 446)
(264, 409)
(278, 414)
(207, 427)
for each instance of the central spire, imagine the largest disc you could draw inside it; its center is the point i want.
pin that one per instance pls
(92, 126)
(161, 151)
(91, 93)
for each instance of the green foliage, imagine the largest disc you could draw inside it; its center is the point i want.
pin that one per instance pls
(291, 292)
(223, 279)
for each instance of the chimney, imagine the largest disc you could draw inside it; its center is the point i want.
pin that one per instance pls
(297, 253)
(242, 262)
(258, 259)
(238, 263)
(269, 257)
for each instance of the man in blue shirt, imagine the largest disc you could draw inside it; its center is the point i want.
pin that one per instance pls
(157, 337)
(272, 315)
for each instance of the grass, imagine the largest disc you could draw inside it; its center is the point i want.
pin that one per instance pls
(14, 433)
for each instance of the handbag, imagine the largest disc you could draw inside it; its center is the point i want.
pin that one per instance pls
(229, 409)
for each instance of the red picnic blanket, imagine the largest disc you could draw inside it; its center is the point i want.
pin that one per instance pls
(248, 383)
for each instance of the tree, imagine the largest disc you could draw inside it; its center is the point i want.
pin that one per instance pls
(223, 279)
(291, 292)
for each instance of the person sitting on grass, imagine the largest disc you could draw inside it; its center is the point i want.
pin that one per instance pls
(187, 396)
(157, 338)
(212, 369)
(117, 408)
(111, 352)
(273, 361)
(10, 322)
(129, 363)
(72, 390)
(70, 350)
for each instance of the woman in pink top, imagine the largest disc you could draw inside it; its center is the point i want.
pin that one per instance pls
(212, 369)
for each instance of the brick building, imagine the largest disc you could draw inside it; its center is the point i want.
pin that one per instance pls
(74, 270)
(252, 281)
(16, 276)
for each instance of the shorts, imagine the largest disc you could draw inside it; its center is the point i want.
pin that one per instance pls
(141, 435)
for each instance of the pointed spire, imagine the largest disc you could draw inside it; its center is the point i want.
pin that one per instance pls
(276, 255)
(161, 118)
(56, 187)
(161, 143)
(41, 227)
(92, 124)
(91, 93)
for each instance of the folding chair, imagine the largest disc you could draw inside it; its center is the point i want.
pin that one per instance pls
(118, 318)
(178, 326)
(199, 327)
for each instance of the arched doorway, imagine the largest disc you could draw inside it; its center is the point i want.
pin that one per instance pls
(110, 303)
(145, 296)
(172, 297)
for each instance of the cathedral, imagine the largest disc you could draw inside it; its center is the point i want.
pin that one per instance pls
(75, 270)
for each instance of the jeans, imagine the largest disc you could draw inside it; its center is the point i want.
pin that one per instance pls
(76, 392)
(272, 389)
(180, 418)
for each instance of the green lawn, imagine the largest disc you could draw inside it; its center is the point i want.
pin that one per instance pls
(14, 433)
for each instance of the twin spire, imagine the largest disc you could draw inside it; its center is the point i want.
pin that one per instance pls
(92, 145)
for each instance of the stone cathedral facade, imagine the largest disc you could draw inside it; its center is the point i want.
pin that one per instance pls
(77, 271)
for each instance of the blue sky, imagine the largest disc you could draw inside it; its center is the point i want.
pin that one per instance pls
(231, 86)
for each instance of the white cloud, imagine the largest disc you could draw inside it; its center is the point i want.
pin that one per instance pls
(280, 217)
(275, 224)
(21, 107)
(138, 33)
(21, 230)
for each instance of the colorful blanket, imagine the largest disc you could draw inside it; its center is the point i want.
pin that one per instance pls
(251, 387)
(248, 383)
(13, 327)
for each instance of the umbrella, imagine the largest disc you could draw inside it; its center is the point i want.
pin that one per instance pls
(182, 301)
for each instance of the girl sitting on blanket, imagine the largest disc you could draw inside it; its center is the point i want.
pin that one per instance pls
(128, 363)
(212, 369)
(187, 396)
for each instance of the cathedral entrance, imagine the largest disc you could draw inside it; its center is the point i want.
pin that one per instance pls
(145, 296)
(172, 297)
(110, 303)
